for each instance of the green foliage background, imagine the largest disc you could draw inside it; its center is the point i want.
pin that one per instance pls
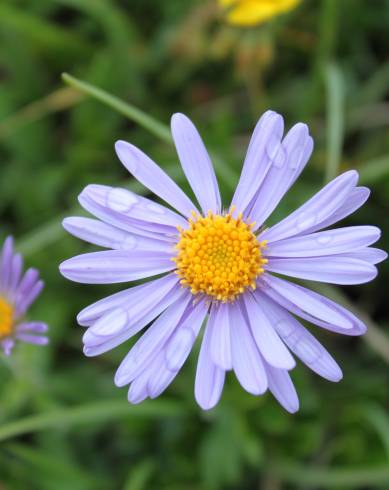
(63, 424)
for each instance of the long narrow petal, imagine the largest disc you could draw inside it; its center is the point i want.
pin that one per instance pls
(33, 339)
(303, 343)
(289, 160)
(153, 177)
(176, 351)
(132, 208)
(181, 342)
(331, 269)
(282, 388)
(104, 235)
(6, 264)
(316, 210)
(113, 266)
(130, 298)
(268, 342)
(209, 377)
(130, 311)
(354, 200)
(308, 301)
(196, 163)
(246, 360)
(166, 363)
(369, 254)
(36, 327)
(16, 272)
(138, 392)
(260, 155)
(96, 345)
(25, 301)
(121, 221)
(221, 336)
(147, 346)
(155, 378)
(29, 278)
(330, 322)
(328, 242)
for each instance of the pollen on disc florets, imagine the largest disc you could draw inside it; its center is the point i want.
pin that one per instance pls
(219, 256)
(6, 318)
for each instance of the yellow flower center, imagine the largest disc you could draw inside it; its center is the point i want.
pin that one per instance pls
(6, 318)
(219, 256)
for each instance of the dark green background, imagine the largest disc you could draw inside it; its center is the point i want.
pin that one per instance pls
(63, 424)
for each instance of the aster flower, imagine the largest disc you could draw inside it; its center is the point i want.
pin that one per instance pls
(217, 267)
(17, 293)
(254, 12)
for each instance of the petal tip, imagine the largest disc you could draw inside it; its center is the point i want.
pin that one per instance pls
(293, 407)
(119, 379)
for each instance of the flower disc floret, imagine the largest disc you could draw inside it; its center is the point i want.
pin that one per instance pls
(6, 318)
(219, 255)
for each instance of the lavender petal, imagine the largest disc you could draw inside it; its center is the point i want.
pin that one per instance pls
(129, 297)
(305, 299)
(104, 235)
(153, 177)
(221, 336)
(268, 342)
(302, 343)
(331, 269)
(147, 346)
(282, 388)
(316, 210)
(260, 154)
(196, 163)
(328, 242)
(246, 360)
(209, 377)
(289, 160)
(114, 266)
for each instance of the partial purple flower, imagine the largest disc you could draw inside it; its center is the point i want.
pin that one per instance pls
(17, 293)
(217, 267)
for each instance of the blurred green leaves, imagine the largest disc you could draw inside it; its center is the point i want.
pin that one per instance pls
(88, 414)
(63, 422)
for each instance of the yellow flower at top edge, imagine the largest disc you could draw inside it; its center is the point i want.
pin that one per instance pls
(253, 12)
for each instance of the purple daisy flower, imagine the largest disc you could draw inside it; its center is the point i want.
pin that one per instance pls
(217, 266)
(17, 293)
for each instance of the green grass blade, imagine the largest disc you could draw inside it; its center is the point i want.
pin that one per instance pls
(89, 414)
(127, 110)
(335, 120)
